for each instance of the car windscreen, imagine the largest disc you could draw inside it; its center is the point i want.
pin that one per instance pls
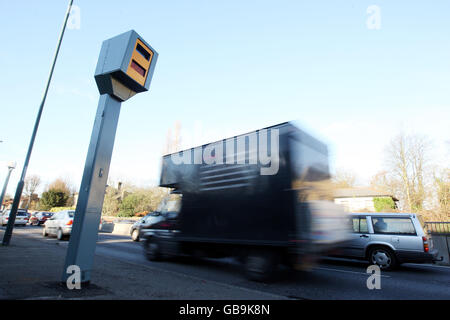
(171, 215)
(22, 214)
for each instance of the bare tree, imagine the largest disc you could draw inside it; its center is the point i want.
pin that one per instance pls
(111, 202)
(344, 179)
(32, 182)
(407, 161)
(383, 181)
(61, 185)
(173, 144)
(442, 187)
(418, 152)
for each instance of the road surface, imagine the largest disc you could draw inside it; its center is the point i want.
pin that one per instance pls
(332, 279)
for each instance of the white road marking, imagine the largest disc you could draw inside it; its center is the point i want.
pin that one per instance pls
(114, 241)
(428, 266)
(346, 271)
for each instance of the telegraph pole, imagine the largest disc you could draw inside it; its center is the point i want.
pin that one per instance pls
(15, 205)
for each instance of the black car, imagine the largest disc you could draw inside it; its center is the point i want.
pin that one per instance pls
(168, 225)
(146, 221)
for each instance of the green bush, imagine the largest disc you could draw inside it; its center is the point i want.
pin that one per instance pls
(132, 201)
(129, 204)
(53, 198)
(383, 204)
(57, 209)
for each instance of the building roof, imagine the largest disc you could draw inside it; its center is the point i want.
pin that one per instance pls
(361, 192)
(384, 214)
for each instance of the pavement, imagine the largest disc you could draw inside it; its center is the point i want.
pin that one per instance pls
(31, 268)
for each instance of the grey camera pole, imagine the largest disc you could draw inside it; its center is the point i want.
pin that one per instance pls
(15, 205)
(124, 69)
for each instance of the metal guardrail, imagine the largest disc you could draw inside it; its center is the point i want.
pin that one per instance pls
(438, 227)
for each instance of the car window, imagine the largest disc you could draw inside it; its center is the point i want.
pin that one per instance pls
(355, 225)
(393, 226)
(359, 225)
(363, 228)
(421, 221)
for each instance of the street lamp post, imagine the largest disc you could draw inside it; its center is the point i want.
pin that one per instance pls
(15, 205)
(11, 167)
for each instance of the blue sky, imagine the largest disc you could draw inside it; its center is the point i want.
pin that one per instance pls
(227, 67)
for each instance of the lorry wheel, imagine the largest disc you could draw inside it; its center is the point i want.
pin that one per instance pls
(152, 250)
(383, 257)
(260, 266)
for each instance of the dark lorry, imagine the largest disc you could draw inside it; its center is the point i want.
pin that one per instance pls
(260, 197)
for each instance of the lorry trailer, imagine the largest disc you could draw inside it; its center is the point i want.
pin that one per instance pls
(262, 197)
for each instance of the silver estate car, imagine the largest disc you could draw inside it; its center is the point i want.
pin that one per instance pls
(388, 239)
(21, 217)
(59, 225)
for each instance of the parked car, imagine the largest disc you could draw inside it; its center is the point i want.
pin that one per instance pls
(149, 219)
(389, 239)
(33, 218)
(59, 225)
(39, 218)
(21, 218)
